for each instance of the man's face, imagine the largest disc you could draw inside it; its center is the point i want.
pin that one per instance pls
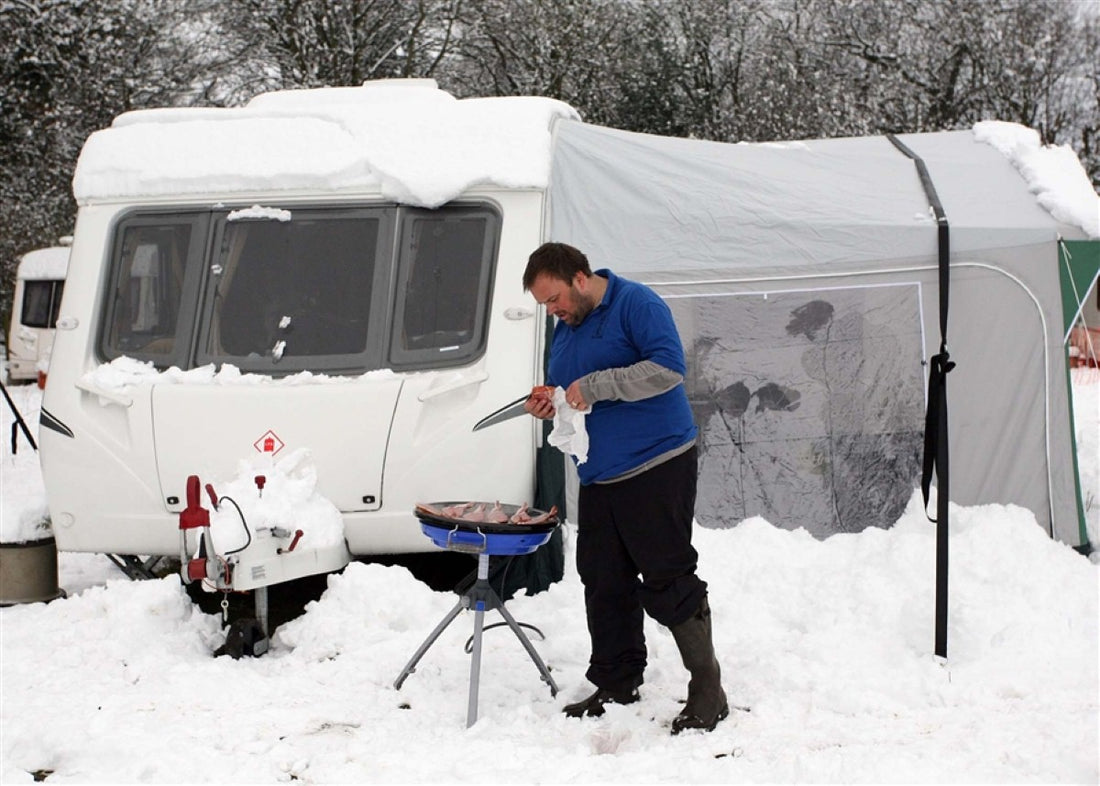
(570, 302)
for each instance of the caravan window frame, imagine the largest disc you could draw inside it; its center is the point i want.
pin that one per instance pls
(55, 289)
(272, 362)
(445, 347)
(109, 341)
(388, 313)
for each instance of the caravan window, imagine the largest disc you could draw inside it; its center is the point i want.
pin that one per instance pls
(41, 302)
(443, 287)
(153, 267)
(299, 292)
(328, 289)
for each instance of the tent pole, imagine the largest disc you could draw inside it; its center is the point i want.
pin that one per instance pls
(935, 422)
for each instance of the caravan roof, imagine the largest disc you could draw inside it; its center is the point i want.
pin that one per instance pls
(417, 144)
(44, 264)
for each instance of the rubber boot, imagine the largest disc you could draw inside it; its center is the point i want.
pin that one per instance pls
(593, 705)
(706, 704)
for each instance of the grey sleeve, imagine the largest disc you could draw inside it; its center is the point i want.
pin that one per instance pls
(644, 379)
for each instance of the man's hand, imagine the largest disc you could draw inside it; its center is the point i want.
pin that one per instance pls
(541, 402)
(574, 398)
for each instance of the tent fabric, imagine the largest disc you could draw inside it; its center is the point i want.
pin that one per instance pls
(803, 279)
(1080, 271)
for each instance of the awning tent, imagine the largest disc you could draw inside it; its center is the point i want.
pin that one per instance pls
(804, 280)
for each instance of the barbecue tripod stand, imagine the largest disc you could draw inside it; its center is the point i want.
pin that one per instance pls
(480, 597)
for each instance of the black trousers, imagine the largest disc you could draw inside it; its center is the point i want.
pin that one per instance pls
(634, 553)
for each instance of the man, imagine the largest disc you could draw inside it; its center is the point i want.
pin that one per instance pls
(616, 349)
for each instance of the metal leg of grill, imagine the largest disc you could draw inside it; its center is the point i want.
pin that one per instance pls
(526, 642)
(410, 667)
(475, 666)
(481, 598)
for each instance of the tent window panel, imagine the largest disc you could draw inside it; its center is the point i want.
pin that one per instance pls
(301, 288)
(445, 272)
(41, 302)
(147, 286)
(810, 405)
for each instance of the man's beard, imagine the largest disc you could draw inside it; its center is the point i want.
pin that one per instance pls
(585, 305)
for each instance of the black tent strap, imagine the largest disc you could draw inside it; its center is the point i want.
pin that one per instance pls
(935, 428)
(935, 422)
(944, 236)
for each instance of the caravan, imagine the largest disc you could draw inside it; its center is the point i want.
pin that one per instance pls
(338, 271)
(249, 284)
(39, 282)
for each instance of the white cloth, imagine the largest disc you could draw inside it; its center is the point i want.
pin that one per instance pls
(569, 434)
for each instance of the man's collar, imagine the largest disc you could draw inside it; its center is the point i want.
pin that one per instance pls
(612, 283)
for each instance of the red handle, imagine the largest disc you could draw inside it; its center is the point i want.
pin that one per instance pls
(297, 537)
(194, 515)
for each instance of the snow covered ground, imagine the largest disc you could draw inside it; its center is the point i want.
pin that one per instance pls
(829, 643)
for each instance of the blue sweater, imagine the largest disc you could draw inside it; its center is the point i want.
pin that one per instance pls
(629, 325)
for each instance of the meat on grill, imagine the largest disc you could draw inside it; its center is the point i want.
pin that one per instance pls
(478, 512)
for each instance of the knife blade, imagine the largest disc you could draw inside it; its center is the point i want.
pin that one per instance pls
(507, 412)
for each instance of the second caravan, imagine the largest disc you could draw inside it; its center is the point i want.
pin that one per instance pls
(39, 283)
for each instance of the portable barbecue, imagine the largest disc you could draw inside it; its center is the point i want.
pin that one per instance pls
(484, 539)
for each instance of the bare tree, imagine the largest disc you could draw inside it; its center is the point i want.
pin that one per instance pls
(314, 43)
(564, 49)
(716, 69)
(66, 70)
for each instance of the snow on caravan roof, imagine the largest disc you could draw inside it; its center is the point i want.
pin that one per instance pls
(44, 264)
(418, 144)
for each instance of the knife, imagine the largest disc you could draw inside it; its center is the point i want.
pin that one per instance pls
(507, 412)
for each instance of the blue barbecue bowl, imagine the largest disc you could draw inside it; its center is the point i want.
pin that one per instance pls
(475, 541)
(483, 537)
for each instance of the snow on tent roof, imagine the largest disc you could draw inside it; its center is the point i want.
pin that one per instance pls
(1053, 173)
(416, 143)
(44, 264)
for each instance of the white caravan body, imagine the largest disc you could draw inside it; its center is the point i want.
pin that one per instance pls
(270, 304)
(39, 282)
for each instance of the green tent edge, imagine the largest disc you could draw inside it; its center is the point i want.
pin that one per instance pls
(1078, 263)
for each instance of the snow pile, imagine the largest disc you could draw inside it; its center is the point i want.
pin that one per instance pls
(1053, 173)
(261, 212)
(288, 501)
(418, 144)
(44, 264)
(123, 373)
(826, 645)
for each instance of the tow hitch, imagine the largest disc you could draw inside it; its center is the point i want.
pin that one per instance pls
(271, 553)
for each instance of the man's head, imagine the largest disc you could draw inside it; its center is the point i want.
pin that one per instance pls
(559, 277)
(557, 260)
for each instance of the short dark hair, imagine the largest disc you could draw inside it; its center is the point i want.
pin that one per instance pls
(558, 260)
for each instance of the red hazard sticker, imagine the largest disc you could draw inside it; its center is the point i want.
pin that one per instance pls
(269, 443)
